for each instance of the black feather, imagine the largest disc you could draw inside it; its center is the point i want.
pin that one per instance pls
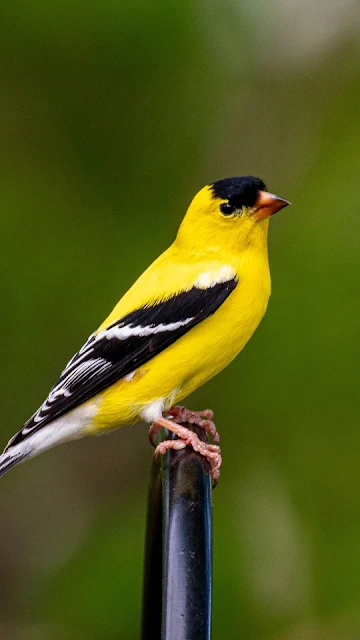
(240, 191)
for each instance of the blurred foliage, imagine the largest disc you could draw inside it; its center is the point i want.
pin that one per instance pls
(112, 116)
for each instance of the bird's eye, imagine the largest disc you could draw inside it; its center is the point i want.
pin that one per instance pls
(227, 209)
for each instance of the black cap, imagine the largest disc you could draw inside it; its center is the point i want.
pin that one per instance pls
(240, 191)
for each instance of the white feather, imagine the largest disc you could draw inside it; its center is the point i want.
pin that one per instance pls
(71, 426)
(153, 411)
(209, 279)
(121, 333)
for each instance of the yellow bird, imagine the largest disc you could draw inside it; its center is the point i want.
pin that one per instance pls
(185, 319)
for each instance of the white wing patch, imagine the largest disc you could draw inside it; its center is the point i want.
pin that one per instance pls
(209, 279)
(122, 332)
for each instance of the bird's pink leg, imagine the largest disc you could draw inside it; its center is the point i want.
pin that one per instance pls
(188, 438)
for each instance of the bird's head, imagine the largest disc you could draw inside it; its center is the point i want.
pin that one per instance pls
(230, 214)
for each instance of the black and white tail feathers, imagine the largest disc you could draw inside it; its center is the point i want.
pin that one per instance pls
(9, 459)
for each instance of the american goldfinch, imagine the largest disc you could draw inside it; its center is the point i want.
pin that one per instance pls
(187, 316)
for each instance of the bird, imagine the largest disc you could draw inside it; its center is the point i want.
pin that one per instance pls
(182, 322)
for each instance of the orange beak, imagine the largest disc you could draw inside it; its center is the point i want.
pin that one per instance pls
(266, 204)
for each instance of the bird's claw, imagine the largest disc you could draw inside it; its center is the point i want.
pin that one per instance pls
(187, 437)
(202, 419)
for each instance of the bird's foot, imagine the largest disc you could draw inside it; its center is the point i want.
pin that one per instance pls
(180, 415)
(202, 419)
(187, 438)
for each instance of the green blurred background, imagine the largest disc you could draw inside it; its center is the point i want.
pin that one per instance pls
(112, 115)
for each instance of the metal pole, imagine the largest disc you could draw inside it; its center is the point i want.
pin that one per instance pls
(152, 590)
(178, 564)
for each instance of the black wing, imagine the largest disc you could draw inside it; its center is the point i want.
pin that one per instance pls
(124, 346)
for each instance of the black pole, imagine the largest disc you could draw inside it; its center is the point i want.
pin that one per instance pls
(152, 599)
(178, 563)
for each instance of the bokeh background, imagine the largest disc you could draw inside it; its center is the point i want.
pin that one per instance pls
(112, 115)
